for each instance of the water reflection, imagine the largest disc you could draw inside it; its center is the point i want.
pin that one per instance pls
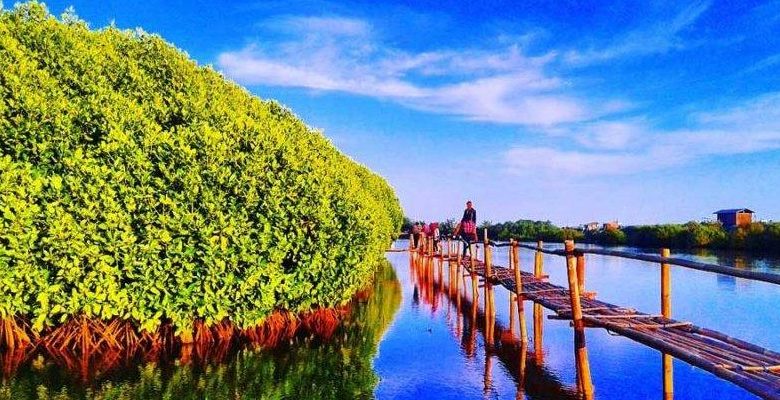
(475, 328)
(501, 343)
(306, 368)
(764, 262)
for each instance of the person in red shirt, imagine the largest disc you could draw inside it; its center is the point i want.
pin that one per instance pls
(468, 226)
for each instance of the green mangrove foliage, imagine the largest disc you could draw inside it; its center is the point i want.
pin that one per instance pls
(136, 184)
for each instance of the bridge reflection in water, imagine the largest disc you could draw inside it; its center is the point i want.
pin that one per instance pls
(440, 284)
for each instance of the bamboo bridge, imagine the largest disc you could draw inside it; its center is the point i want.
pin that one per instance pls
(747, 365)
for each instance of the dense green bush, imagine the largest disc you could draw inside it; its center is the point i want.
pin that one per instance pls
(136, 184)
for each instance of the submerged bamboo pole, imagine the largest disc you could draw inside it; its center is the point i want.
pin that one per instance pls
(580, 350)
(538, 333)
(489, 299)
(538, 311)
(666, 310)
(513, 255)
(512, 313)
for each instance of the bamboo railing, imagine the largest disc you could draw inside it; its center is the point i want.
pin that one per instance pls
(749, 366)
(719, 269)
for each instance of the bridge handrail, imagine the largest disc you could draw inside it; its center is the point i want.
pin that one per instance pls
(718, 269)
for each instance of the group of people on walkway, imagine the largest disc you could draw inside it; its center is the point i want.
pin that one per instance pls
(466, 230)
(422, 231)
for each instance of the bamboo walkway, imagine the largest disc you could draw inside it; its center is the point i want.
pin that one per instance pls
(749, 366)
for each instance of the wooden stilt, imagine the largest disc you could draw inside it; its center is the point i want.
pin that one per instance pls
(538, 311)
(513, 255)
(488, 296)
(538, 260)
(581, 272)
(666, 311)
(580, 350)
(512, 314)
(538, 333)
(666, 286)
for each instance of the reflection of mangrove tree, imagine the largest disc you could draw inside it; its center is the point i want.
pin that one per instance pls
(307, 368)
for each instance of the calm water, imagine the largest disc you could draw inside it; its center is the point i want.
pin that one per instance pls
(425, 354)
(410, 341)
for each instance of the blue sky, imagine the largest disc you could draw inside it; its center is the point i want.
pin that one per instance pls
(640, 111)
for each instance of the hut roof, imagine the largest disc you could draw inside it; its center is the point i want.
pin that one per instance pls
(734, 211)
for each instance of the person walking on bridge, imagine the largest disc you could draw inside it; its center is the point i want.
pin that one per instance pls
(468, 226)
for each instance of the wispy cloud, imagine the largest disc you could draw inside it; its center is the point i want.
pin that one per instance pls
(629, 147)
(501, 85)
(768, 62)
(658, 37)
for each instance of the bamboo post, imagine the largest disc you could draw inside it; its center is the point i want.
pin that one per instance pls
(441, 271)
(488, 310)
(472, 258)
(457, 283)
(580, 350)
(511, 314)
(581, 271)
(538, 311)
(450, 270)
(666, 311)
(538, 333)
(489, 255)
(666, 286)
(538, 260)
(474, 288)
(513, 255)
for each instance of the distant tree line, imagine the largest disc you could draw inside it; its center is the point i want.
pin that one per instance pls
(761, 236)
(764, 236)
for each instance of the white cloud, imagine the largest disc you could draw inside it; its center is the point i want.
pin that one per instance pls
(629, 147)
(339, 54)
(767, 62)
(333, 26)
(658, 38)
